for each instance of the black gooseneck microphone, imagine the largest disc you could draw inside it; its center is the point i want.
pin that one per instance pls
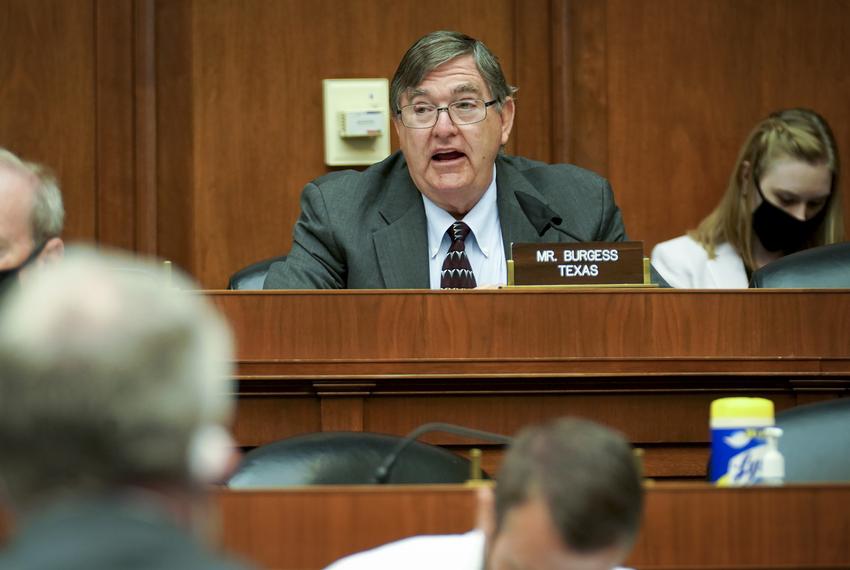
(541, 216)
(382, 473)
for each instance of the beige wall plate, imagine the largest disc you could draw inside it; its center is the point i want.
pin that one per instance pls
(356, 121)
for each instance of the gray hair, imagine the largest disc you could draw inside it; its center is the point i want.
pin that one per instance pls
(107, 372)
(48, 213)
(587, 476)
(435, 49)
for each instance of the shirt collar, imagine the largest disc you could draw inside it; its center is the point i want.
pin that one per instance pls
(439, 220)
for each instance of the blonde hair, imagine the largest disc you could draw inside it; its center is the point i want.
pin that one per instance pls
(800, 134)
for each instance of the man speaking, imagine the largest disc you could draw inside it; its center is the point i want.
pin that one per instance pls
(442, 212)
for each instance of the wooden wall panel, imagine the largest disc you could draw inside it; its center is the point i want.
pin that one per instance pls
(126, 124)
(188, 127)
(145, 125)
(533, 135)
(174, 123)
(687, 81)
(115, 134)
(68, 94)
(47, 97)
(582, 110)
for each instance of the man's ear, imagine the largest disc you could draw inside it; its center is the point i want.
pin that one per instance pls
(507, 116)
(53, 251)
(485, 514)
(397, 124)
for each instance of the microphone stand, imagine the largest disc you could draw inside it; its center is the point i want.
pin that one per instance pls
(382, 473)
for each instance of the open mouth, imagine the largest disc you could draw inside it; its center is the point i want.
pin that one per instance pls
(446, 156)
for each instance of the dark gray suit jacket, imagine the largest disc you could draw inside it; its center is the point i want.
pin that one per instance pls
(107, 534)
(367, 230)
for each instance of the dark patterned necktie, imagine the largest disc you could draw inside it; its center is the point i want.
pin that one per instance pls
(457, 272)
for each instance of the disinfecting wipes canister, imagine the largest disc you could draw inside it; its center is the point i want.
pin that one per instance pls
(737, 439)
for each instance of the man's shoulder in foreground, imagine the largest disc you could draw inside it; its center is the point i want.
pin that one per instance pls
(107, 534)
(447, 552)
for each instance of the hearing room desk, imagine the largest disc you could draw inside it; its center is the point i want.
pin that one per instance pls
(685, 527)
(647, 362)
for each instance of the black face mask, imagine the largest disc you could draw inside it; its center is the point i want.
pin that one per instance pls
(778, 230)
(9, 277)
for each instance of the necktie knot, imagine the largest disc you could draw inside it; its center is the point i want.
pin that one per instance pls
(458, 231)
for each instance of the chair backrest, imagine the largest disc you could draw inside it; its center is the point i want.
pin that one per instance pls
(816, 441)
(826, 267)
(253, 276)
(344, 458)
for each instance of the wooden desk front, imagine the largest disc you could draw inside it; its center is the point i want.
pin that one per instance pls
(685, 527)
(647, 362)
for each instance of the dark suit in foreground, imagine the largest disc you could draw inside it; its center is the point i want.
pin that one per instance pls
(367, 230)
(107, 534)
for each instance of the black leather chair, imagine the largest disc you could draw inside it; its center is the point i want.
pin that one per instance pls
(816, 441)
(345, 458)
(252, 277)
(826, 267)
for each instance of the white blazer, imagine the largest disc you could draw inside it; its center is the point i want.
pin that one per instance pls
(685, 265)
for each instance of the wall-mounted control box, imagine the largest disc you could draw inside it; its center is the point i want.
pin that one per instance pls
(357, 121)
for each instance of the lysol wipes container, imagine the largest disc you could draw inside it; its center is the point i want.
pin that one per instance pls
(738, 441)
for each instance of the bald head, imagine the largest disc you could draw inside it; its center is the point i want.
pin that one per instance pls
(31, 213)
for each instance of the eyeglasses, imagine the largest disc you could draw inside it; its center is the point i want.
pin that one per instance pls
(463, 112)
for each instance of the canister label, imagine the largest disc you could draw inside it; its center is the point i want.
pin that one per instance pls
(736, 455)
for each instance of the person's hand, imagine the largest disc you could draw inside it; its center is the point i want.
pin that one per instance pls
(485, 513)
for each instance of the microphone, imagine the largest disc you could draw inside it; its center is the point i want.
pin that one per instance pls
(382, 473)
(541, 216)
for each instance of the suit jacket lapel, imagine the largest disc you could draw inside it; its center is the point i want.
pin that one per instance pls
(402, 246)
(516, 227)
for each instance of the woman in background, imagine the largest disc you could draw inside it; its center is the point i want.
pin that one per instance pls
(783, 197)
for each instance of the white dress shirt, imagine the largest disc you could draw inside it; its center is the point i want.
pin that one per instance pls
(440, 552)
(433, 552)
(484, 247)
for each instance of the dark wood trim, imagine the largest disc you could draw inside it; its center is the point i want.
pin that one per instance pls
(114, 130)
(175, 140)
(579, 367)
(144, 32)
(562, 81)
(587, 101)
(532, 134)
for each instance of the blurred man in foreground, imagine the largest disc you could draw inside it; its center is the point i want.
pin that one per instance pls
(113, 402)
(31, 217)
(568, 497)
